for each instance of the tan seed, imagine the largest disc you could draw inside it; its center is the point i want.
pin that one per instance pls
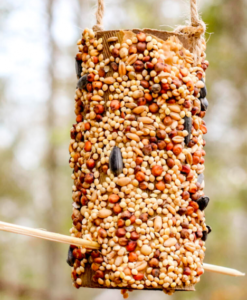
(131, 105)
(109, 80)
(157, 223)
(150, 127)
(123, 52)
(133, 136)
(200, 84)
(138, 151)
(178, 139)
(175, 116)
(94, 53)
(189, 158)
(104, 213)
(112, 39)
(140, 109)
(131, 59)
(190, 247)
(123, 181)
(184, 72)
(145, 120)
(118, 261)
(122, 69)
(174, 108)
(140, 266)
(163, 75)
(170, 242)
(137, 94)
(146, 250)
(171, 209)
(97, 98)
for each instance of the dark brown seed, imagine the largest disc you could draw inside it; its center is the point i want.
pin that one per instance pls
(185, 225)
(99, 109)
(120, 232)
(99, 274)
(157, 254)
(199, 234)
(143, 185)
(141, 101)
(147, 149)
(182, 211)
(145, 84)
(89, 178)
(123, 241)
(144, 217)
(156, 88)
(134, 236)
(154, 263)
(138, 66)
(156, 272)
(184, 234)
(132, 49)
(161, 145)
(126, 215)
(141, 46)
(114, 66)
(187, 271)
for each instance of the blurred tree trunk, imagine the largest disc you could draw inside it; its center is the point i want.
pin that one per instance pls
(52, 214)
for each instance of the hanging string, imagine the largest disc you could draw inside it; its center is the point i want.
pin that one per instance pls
(99, 16)
(196, 29)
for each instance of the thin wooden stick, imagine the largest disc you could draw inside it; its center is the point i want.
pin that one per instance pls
(46, 235)
(222, 270)
(55, 237)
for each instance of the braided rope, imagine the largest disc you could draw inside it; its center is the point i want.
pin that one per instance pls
(196, 29)
(99, 16)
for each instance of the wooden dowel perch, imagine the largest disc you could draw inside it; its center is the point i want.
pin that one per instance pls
(46, 235)
(60, 238)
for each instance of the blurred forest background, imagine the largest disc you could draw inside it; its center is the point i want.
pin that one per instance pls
(37, 81)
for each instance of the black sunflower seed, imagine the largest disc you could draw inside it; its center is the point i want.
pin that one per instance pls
(116, 161)
(203, 91)
(78, 68)
(205, 233)
(209, 229)
(204, 104)
(70, 259)
(203, 202)
(188, 127)
(82, 82)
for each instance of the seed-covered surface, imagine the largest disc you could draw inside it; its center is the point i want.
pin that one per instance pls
(138, 160)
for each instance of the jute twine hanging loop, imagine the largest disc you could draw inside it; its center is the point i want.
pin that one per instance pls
(99, 16)
(196, 28)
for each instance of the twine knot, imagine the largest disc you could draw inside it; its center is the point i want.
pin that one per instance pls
(196, 29)
(99, 16)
